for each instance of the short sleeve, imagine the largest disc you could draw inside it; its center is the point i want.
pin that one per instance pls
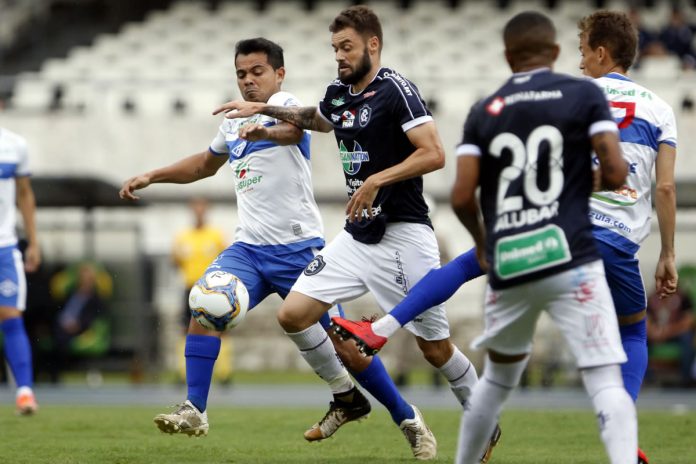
(219, 146)
(668, 128)
(470, 144)
(323, 108)
(22, 158)
(409, 107)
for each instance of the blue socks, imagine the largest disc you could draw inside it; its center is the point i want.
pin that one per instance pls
(437, 286)
(634, 340)
(201, 353)
(376, 380)
(18, 351)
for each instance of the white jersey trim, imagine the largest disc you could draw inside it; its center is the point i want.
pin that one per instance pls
(603, 126)
(468, 149)
(407, 126)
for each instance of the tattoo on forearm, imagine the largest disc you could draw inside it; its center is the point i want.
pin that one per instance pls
(302, 117)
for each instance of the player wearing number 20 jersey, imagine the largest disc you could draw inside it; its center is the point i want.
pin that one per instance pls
(535, 132)
(529, 147)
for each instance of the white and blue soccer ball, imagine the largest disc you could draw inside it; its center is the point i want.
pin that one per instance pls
(219, 301)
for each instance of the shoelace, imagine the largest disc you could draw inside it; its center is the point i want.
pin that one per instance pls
(332, 420)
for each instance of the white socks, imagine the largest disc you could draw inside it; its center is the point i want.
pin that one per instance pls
(461, 375)
(483, 408)
(616, 413)
(316, 348)
(386, 326)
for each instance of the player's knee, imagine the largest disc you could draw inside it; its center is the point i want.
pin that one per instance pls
(436, 352)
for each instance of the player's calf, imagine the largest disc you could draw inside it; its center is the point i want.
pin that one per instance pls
(368, 342)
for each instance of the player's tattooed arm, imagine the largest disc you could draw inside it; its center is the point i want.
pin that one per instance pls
(306, 117)
(612, 166)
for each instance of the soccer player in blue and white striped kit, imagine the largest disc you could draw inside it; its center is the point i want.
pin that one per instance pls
(15, 186)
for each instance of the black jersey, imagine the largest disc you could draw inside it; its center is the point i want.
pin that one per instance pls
(534, 139)
(370, 129)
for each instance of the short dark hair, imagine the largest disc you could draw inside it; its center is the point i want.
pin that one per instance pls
(273, 51)
(613, 30)
(529, 34)
(362, 19)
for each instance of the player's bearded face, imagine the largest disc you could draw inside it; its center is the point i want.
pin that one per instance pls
(350, 73)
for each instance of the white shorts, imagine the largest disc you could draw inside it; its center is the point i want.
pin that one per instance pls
(347, 269)
(579, 303)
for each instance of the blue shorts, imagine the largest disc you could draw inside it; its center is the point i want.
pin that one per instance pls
(267, 269)
(624, 279)
(13, 284)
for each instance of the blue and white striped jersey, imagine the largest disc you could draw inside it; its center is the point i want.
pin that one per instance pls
(273, 183)
(14, 162)
(622, 217)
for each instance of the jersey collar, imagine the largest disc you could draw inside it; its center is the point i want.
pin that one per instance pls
(533, 71)
(618, 76)
(350, 87)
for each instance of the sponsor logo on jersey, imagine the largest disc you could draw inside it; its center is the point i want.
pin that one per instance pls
(8, 288)
(338, 101)
(352, 160)
(315, 266)
(404, 85)
(364, 115)
(367, 95)
(526, 217)
(335, 118)
(245, 181)
(348, 117)
(237, 148)
(533, 95)
(241, 170)
(496, 106)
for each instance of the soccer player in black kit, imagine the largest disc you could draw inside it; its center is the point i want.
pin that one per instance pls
(529, 146)
(387, 140)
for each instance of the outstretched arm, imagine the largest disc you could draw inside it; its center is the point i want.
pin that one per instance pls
(187, 170)
(429, 156)
(304, 117)
(666, 277)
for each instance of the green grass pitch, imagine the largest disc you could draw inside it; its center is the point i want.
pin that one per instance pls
(126, 435)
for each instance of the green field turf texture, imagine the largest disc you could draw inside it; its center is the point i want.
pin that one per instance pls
(126, 435)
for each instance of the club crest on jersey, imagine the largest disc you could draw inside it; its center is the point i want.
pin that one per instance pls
(8, 288)
(348, 117)
(496, 106)
(315, 266)
(364, 115)
(352, 160)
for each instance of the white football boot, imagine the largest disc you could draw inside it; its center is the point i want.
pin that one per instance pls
(419, 436)
(187, 419)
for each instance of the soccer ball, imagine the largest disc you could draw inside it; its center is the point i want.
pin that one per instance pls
(219, 301)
